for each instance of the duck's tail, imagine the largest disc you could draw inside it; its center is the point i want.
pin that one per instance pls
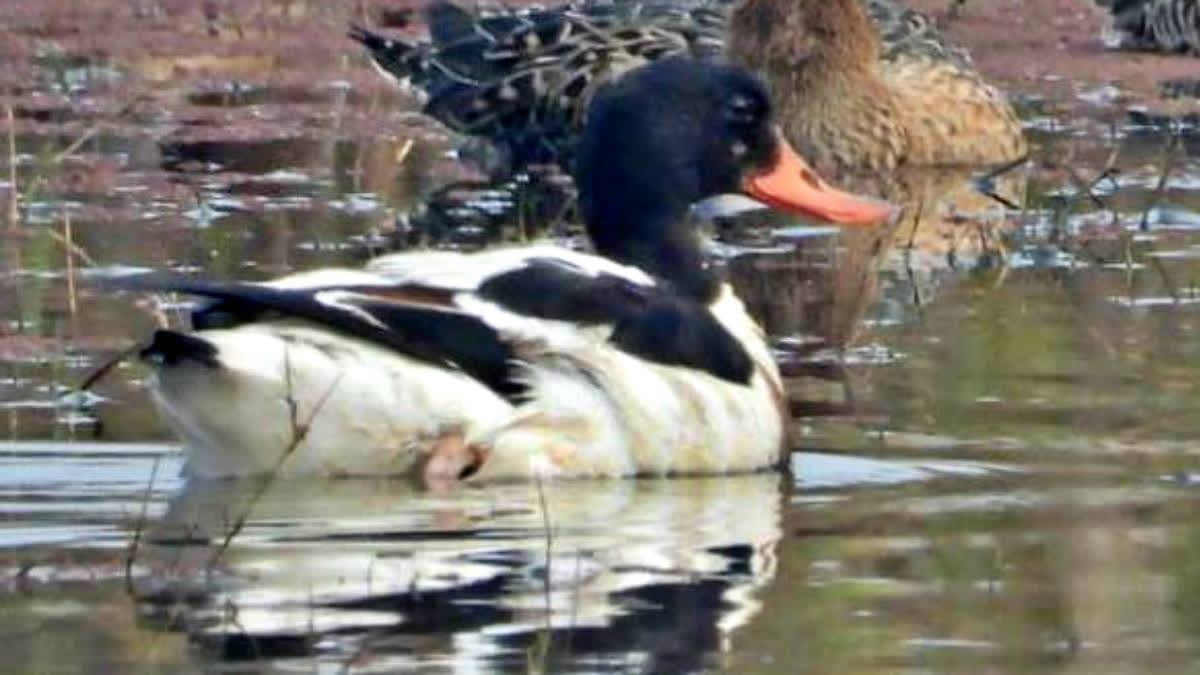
(398, 60)
(169, 347)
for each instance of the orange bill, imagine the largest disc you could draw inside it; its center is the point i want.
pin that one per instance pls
(790, 184)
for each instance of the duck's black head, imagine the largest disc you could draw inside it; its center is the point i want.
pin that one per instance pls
(675, 132)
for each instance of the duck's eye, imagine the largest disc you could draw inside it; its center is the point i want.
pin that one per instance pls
(743, 110)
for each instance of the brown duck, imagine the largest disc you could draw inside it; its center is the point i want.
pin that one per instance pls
(873, 95)
(860, 111)
(873, 77)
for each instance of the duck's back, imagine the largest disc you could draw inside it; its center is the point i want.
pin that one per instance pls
(954, 115)
(908, 35)
(1166, 25)
(522, 78)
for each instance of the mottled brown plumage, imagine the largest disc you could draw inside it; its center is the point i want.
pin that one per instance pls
(858, 115)
(906, 117)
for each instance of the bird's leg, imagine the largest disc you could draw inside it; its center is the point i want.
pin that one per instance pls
(450, 459)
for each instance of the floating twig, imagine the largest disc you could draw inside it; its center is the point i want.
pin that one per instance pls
(404, 151)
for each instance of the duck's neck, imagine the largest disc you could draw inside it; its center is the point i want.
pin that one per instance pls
(658, 240)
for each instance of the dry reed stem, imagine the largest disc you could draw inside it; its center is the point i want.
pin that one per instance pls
(131, 556)
(77, 143)
(538, 653)
(404, 151)
(72, 304)
(1168, 165)
(106, 367)
(88, 134)
(72, 249)
(14, 214)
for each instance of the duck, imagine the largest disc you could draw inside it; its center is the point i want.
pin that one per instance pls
(531, 361)
(522, 78)
(855, 113)
(1154, 25)
(882, 104)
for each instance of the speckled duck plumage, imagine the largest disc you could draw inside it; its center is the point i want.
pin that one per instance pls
(1156, 25)
(522, 78)
(859, 105)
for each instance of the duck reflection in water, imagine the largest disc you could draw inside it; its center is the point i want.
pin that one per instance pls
(662, 573)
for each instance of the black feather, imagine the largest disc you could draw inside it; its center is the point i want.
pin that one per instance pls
(172, 348)
(553, 289)
(649, 322)
(435, 336)
(677, 332)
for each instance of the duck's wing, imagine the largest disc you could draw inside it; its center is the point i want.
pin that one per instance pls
(523, 77)
(547, 300)
(962, 119)
(480, 313)
(421, 323)
(1166, 25)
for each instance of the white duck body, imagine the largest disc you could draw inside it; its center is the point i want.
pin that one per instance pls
(382, 411)
(590, 408)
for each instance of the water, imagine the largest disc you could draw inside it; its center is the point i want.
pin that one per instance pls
(999, 476)
(858, 563)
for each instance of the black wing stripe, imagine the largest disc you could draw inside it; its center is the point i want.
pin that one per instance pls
(425, 330)
(550, 289)
(648, 321)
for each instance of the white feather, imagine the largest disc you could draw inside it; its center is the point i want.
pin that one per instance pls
(326, 278)
(336, 300)
(468, 271)
(595, 410)
(369, 411)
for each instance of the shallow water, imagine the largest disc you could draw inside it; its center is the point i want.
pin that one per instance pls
(999, 475)
(858, 564)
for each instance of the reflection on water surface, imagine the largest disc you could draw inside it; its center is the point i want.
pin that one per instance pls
(858, 564)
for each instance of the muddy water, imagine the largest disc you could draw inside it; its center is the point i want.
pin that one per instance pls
(998, 474)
